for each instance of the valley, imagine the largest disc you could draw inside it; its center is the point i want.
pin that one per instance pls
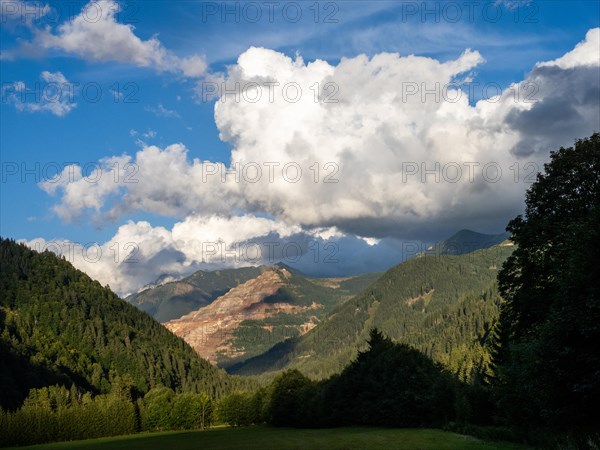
(444, 305)
(443, 301)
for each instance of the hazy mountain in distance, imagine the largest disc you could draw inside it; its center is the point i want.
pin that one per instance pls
(162, 279)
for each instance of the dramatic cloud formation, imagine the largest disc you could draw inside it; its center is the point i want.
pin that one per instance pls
(96, 35)
(376, 147)
(388, 147)
(161, 181)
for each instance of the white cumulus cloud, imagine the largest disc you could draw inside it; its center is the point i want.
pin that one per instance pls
(139, 253)
(586, 53)
(381, 146)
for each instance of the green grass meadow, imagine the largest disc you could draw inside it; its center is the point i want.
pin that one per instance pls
(266, 438)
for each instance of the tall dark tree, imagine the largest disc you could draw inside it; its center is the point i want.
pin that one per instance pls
(292, 400)
(392, 385)
(548, 364)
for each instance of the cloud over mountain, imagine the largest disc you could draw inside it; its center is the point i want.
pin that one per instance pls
(387, 147)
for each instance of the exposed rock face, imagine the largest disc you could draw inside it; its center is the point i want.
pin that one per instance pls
(209, 329)
(174, 299)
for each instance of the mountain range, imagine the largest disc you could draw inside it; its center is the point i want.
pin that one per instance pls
(172, 300)
(444, 302)
(444, 305)
(466, 241)
(278, 304)
(58, 326)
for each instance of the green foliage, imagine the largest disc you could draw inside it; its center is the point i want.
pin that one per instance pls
(548, 365)
(386, 385)
(156, 409)
(240, 409)
(58, 414)
(57, 326)
(163, 409)
(293, 400)
(186, 411)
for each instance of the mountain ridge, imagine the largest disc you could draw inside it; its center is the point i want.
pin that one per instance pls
(443, 305)
(174, 299)
(262, 311)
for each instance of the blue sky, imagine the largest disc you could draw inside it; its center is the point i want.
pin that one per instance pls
(123, 106)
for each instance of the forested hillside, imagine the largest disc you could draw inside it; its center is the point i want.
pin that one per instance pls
(304, 303)
(58, 326)
(444, 305)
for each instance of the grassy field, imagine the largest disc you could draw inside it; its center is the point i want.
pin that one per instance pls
(264, 438)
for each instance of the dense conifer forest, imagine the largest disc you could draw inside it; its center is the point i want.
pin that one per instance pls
(60, 327)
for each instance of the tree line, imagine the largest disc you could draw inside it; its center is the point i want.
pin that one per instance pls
(389, 384)
(56, 413)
